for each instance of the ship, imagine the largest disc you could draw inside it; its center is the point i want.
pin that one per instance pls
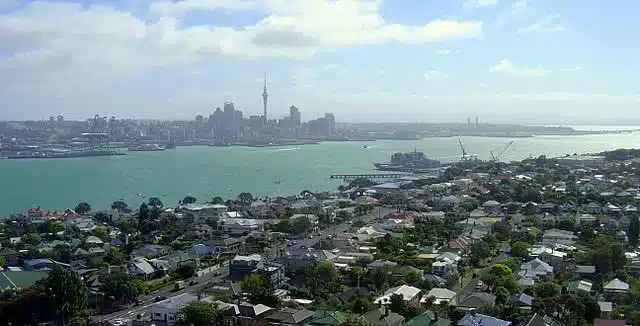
(408, 162)
(147, 148)
(67, 154)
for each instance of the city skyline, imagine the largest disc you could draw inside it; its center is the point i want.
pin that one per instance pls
(542, 62)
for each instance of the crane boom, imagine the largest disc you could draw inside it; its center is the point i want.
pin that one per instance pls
(504, 150)
(464, 152)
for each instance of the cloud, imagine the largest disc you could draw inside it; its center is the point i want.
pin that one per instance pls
(56, 43)
(549, 24)
(443, 52)
(434, 74)
(508, 67)
(481, 3)
(572, 69)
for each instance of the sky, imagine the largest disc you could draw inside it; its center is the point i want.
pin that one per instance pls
(534, 62)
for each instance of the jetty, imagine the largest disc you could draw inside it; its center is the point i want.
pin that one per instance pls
(370, 176)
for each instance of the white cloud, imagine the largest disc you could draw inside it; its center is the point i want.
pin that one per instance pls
(508, 67)
(572, 69)
(60, 44)
(443, 52)
(434, 74)
(483, 3)
(549, 24)
(519, 5)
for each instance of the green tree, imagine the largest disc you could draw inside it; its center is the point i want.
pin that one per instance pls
(189, 200)
(480, 250)
(634, 231)
(3, 263)
(67, 293)
(301, 224)
(198, 313)
(217, 200)
(119, 287)
(101, 232)
(502, 295)
(83, 208)
(245, 197)
(185, 271)
(120, 206)
(31, 238)
(520, 249)
(323, 280)
(143, 212)
(155, 202)
(259, 290)
(546, 290)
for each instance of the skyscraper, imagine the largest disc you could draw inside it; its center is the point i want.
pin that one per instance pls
(264, 99)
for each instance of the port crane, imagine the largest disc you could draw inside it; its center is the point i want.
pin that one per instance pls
(465, 156)
(495, 158)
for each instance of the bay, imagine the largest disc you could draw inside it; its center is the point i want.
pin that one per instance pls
(206, 172)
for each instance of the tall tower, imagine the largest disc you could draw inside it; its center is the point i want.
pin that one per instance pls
(265, 95)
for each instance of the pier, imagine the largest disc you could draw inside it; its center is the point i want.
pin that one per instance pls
(369, 176)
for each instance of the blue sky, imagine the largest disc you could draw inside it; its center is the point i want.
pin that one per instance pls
(536, 61)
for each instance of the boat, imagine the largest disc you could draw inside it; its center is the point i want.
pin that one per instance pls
(408, 162)
(365, 146)
(147, 148)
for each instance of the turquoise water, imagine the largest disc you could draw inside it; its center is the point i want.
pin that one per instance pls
(206, 172)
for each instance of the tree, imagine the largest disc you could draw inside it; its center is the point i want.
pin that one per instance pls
(143, 212)
(245, 197)
(119, 287)
(301, 224)
(259, 290)
(83, 208)
(502, 295)
(546, 290)
(155, 202)
(189, 200)
(500, 275)
(2, 262)
(323, 280)
(634, 231)
(397, 304)
(67, 292)
(217, 200)
(31, 238)
(185, 271)
(120, 206)
(520, 249)
(198, 313)
(480, 250)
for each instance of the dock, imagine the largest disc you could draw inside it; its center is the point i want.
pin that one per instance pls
(369, 176)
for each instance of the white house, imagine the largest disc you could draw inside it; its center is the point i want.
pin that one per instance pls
(167, 310)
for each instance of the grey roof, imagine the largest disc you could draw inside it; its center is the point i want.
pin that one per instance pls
(477, 300)
(585, 269)
(534, 268)
(475, 319)
(290, 316)
(178, 301)
(605, 306)
(377, 317)
(616, 285)
(522, 299)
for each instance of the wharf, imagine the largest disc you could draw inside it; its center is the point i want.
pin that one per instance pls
(370, 176)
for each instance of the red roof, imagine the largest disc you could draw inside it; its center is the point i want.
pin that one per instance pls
(609, 322)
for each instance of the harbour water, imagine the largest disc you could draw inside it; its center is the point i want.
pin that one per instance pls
(206, 172)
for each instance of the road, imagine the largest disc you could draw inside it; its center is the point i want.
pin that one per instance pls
(147, 301)
(342, 227)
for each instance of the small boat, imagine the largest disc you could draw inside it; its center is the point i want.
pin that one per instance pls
(365, 146)
(277, 182)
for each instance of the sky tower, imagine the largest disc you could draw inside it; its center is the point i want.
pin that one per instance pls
(265, 95)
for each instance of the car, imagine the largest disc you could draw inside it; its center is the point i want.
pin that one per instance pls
(479, 285)
(193, 282)
(159, 298)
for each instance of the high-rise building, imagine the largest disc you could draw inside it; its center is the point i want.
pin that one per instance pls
(265, 95)
(294, 114)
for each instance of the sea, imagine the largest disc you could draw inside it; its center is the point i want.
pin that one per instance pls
(207, 172)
